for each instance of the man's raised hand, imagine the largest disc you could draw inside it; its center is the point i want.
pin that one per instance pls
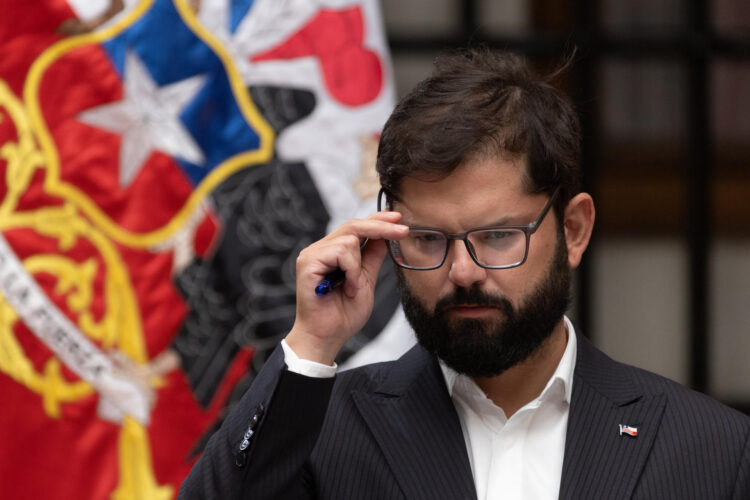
(323, 324)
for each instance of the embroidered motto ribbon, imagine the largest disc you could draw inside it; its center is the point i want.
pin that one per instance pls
(119, 395)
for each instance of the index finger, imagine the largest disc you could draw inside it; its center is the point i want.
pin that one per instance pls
(378, 226)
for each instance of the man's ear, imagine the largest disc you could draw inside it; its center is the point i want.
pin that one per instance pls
(578, 224)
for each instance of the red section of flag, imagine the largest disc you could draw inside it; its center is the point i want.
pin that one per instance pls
(206, 235)
(73, 457)
(352, 73)
(7, 132)
(162, 308)
(26, 30)
(177, 423)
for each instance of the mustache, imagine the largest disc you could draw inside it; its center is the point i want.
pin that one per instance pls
(473, 296)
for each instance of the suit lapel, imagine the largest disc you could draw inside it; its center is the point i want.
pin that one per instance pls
(415, 423)
(600, 462)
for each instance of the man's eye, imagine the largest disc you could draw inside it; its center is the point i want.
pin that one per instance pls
(495, 235)
(427, 237)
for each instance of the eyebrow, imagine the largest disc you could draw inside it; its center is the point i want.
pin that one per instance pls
(504, 221)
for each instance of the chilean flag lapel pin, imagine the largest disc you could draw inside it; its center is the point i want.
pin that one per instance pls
(629, 430)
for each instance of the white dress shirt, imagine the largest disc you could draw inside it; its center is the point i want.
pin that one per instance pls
(519, 457)
(516, 458)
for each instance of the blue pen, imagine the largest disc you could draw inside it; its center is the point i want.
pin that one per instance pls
(330, 282)
(335, 278)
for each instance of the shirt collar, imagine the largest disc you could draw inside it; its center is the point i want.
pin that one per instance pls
(563, 373)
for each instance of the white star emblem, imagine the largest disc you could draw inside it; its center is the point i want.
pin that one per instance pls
(148, 119)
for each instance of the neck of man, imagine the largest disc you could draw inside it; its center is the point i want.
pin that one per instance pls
(517, 386)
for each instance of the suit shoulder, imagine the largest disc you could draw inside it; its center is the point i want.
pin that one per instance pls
(619, 380)
(687, 402)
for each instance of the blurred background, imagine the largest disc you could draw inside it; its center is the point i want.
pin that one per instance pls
(163, 162)
(663, 90)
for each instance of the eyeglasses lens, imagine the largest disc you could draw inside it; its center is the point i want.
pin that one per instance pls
(426, 249)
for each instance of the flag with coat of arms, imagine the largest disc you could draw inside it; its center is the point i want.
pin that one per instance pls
(162, 163)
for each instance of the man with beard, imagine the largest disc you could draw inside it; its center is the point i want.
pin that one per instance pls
(501, 398)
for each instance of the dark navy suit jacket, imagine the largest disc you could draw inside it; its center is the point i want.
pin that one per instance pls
(390, 431)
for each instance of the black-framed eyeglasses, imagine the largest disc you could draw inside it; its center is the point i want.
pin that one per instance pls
(491, 247)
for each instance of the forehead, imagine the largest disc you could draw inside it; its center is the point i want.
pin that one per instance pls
(478, 192)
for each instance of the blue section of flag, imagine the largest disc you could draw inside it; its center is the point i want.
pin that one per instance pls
(172, 52)
(240, 9)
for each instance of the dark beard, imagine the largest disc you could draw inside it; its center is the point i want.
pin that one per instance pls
(477, 348)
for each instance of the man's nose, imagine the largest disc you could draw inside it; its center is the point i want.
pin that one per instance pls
(464, 272)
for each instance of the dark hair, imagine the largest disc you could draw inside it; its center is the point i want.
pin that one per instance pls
(481, 102)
